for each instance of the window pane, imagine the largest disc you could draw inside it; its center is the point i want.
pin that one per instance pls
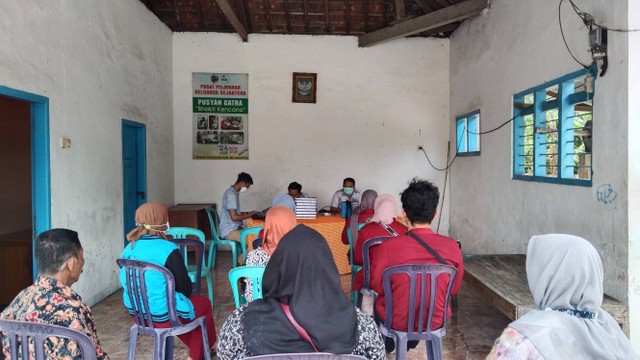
(474, 132)
(461, 135)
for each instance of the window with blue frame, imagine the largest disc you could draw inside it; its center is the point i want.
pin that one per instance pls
(468, 134)
(552, 130)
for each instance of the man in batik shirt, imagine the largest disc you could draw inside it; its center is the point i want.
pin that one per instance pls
(51, 300)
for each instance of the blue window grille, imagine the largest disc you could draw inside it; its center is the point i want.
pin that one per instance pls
(552, 131)
(468, 134)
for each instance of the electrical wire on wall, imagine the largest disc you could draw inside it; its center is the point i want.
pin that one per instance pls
(590, 22)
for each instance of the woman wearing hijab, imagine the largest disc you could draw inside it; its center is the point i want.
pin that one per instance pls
(302, 275)
(362, 215)
(382, 223)
(149, 243)
(566, 279)
(279, 221)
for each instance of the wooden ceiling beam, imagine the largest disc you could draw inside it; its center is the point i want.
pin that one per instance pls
(242, 5)
(287, 15)
(326, 16)
(203, 23)
(306, 16)
(228, 12)
(426, 22)
(443, 4)
(267, 14)
(347, 16)
(400, 11)
(365, 11)
(425, 6)
(176, 10)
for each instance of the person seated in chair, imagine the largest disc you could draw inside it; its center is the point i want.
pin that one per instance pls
(50, 300)
(302, 278)
(279, 221)
(362, 215)
(149, 243)
(565, 276)
(294, 191)
(231, 218)
(382, 223)
(419, 205)
(347, 193)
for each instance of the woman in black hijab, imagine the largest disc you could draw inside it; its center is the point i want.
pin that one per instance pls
(301, 274)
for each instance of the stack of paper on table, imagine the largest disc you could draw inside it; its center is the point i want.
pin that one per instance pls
(306, 207)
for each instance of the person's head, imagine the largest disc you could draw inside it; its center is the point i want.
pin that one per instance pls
(302, 274)
(420, 201)
(564, 271)
(59, 253)
(151, 219)
(244, 182)
(368, 199)
(279, 221)
(348, 185)
(385, 209)
(284, 200)
(565, 276)
(294, 190)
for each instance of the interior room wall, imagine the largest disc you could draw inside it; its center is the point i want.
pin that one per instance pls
(374, 107)
(514, 46)
(15, 156)
(633, 66)
(98, 62)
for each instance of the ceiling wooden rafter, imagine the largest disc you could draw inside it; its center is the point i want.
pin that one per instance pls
(374, 21)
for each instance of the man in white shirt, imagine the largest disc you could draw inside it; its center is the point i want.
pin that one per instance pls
(347, 193)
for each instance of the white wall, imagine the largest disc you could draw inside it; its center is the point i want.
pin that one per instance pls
(514, 46)
(633, 66)
(98, 62)
(375, 105)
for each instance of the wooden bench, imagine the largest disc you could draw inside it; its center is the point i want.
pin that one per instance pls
(502, 280)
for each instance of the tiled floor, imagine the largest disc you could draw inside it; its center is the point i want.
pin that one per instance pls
(470, 332)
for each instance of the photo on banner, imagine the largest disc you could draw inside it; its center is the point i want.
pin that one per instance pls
(220, 116)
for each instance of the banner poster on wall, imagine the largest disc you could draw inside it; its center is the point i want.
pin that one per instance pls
(220, 116)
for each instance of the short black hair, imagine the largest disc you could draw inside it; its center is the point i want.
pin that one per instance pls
(420, 201)
(295, 186)
(54, 247)
(245, 178)
(349, 179)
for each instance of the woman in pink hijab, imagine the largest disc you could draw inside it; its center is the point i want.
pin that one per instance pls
(382, 223)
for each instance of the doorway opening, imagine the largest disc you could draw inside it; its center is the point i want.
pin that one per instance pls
(134, 170)
(24, 187)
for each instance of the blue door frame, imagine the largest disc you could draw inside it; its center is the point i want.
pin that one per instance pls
(134, 171)
(40, 160)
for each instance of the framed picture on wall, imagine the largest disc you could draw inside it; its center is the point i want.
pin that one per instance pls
(304, 87)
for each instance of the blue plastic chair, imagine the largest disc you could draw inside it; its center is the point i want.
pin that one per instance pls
(254, 230)
(162, 338)
(354, 268)
(307, 356)
(19, 331)
(201, 268)
(250, 272)
(214, 221)
(426, 277)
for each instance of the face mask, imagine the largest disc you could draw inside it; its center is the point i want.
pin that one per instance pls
(347, 191)
(243, 190)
